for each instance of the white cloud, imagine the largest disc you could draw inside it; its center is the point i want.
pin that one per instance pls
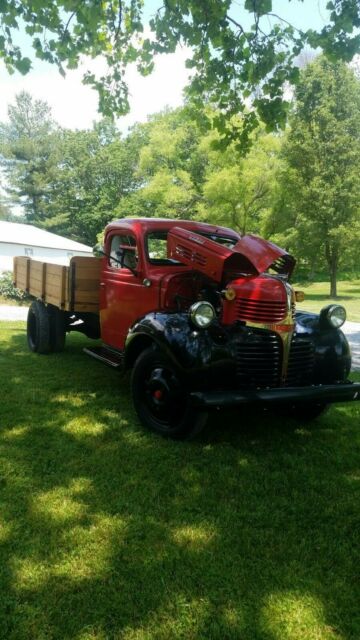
(75, 105)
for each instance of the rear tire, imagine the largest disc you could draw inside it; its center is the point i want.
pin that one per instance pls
(160, 398)
(57, 320)
(38, 328)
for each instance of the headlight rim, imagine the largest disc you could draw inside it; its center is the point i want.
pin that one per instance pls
(195, 307)
(325, 316)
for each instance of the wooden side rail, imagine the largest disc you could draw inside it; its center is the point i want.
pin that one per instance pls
(74, 288)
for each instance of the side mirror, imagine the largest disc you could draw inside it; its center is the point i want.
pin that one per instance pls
(98, 250)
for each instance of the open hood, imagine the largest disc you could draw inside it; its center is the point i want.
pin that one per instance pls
(264, 255)
(250, 255)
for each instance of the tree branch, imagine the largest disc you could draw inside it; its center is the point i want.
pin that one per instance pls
(275, 15)
(235, 23)
(67, 25)
(119, 20)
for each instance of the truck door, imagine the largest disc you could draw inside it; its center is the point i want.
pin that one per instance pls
(121, 288)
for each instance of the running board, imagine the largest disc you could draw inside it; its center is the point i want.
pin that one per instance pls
(107, 356)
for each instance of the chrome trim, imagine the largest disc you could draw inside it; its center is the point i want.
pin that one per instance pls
(285, 335)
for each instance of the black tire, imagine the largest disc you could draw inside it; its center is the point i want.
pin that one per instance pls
(38, 328)
(160, 399)
(305, 412)
(57, 320)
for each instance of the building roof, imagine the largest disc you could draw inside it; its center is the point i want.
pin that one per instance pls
(27, 234)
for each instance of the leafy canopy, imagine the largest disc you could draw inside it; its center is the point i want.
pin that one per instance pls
(66, 181)
(319, 200)
(229, 59)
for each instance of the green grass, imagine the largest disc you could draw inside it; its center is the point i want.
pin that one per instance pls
(317, 296)
(108, 532)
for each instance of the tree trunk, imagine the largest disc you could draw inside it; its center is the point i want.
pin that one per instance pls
(333, 283)
(332, 260)
(311, 273)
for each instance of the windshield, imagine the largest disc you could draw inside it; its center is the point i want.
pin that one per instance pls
(156, 246)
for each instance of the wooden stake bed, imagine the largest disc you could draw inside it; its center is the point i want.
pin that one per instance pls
(73, 288)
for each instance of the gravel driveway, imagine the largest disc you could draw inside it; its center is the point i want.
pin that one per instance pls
(8, 312)
(351, 330)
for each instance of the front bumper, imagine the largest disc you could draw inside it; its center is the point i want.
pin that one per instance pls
(326, 393)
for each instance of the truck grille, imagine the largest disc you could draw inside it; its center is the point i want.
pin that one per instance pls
(261, 311)
(259, 361)
(301, 362)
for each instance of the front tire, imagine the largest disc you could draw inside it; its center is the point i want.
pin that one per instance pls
(160, 398)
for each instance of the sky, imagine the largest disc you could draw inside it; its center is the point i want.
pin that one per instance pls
(75, 106)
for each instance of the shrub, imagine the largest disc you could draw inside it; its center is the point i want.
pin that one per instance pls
(7, 289)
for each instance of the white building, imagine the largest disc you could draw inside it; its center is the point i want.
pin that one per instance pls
(26, 240)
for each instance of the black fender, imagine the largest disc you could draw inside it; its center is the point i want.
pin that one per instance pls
(208, 356)
(332, 350)
(187, 347)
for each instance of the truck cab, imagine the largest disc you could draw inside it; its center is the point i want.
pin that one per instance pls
(138, 276)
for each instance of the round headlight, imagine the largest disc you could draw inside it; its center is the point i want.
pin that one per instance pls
(202, 314)
(333, 316)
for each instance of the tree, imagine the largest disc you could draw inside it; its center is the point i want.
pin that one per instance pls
(4, 213)
(96, 170)
(229, 59)
(28, 146)
(69, 182)
(170, 169)
(183, 174)
(239, 192)
(319, 203)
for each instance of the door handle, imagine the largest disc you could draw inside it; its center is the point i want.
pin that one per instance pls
(102, 284)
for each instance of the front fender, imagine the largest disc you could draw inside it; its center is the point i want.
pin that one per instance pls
(210, 354)
(187, 347)
(332, 350)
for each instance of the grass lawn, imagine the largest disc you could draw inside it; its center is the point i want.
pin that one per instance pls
(317, 296)
(108, 532)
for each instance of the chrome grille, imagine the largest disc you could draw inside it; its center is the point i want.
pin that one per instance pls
(261, 311)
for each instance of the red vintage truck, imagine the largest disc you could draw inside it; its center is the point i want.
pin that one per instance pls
(203, 317)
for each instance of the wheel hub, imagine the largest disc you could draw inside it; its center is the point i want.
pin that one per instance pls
(163, 390)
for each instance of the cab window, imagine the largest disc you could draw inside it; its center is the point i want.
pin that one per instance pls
(156, 245)
(123, 253)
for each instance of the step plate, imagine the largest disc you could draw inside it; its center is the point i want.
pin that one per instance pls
(107, 356)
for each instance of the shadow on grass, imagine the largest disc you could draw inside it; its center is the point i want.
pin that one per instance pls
(109, 532)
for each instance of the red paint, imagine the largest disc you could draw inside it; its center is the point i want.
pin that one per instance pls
(250, 255)
(260, 299)
(124, 298)
(263, 254)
